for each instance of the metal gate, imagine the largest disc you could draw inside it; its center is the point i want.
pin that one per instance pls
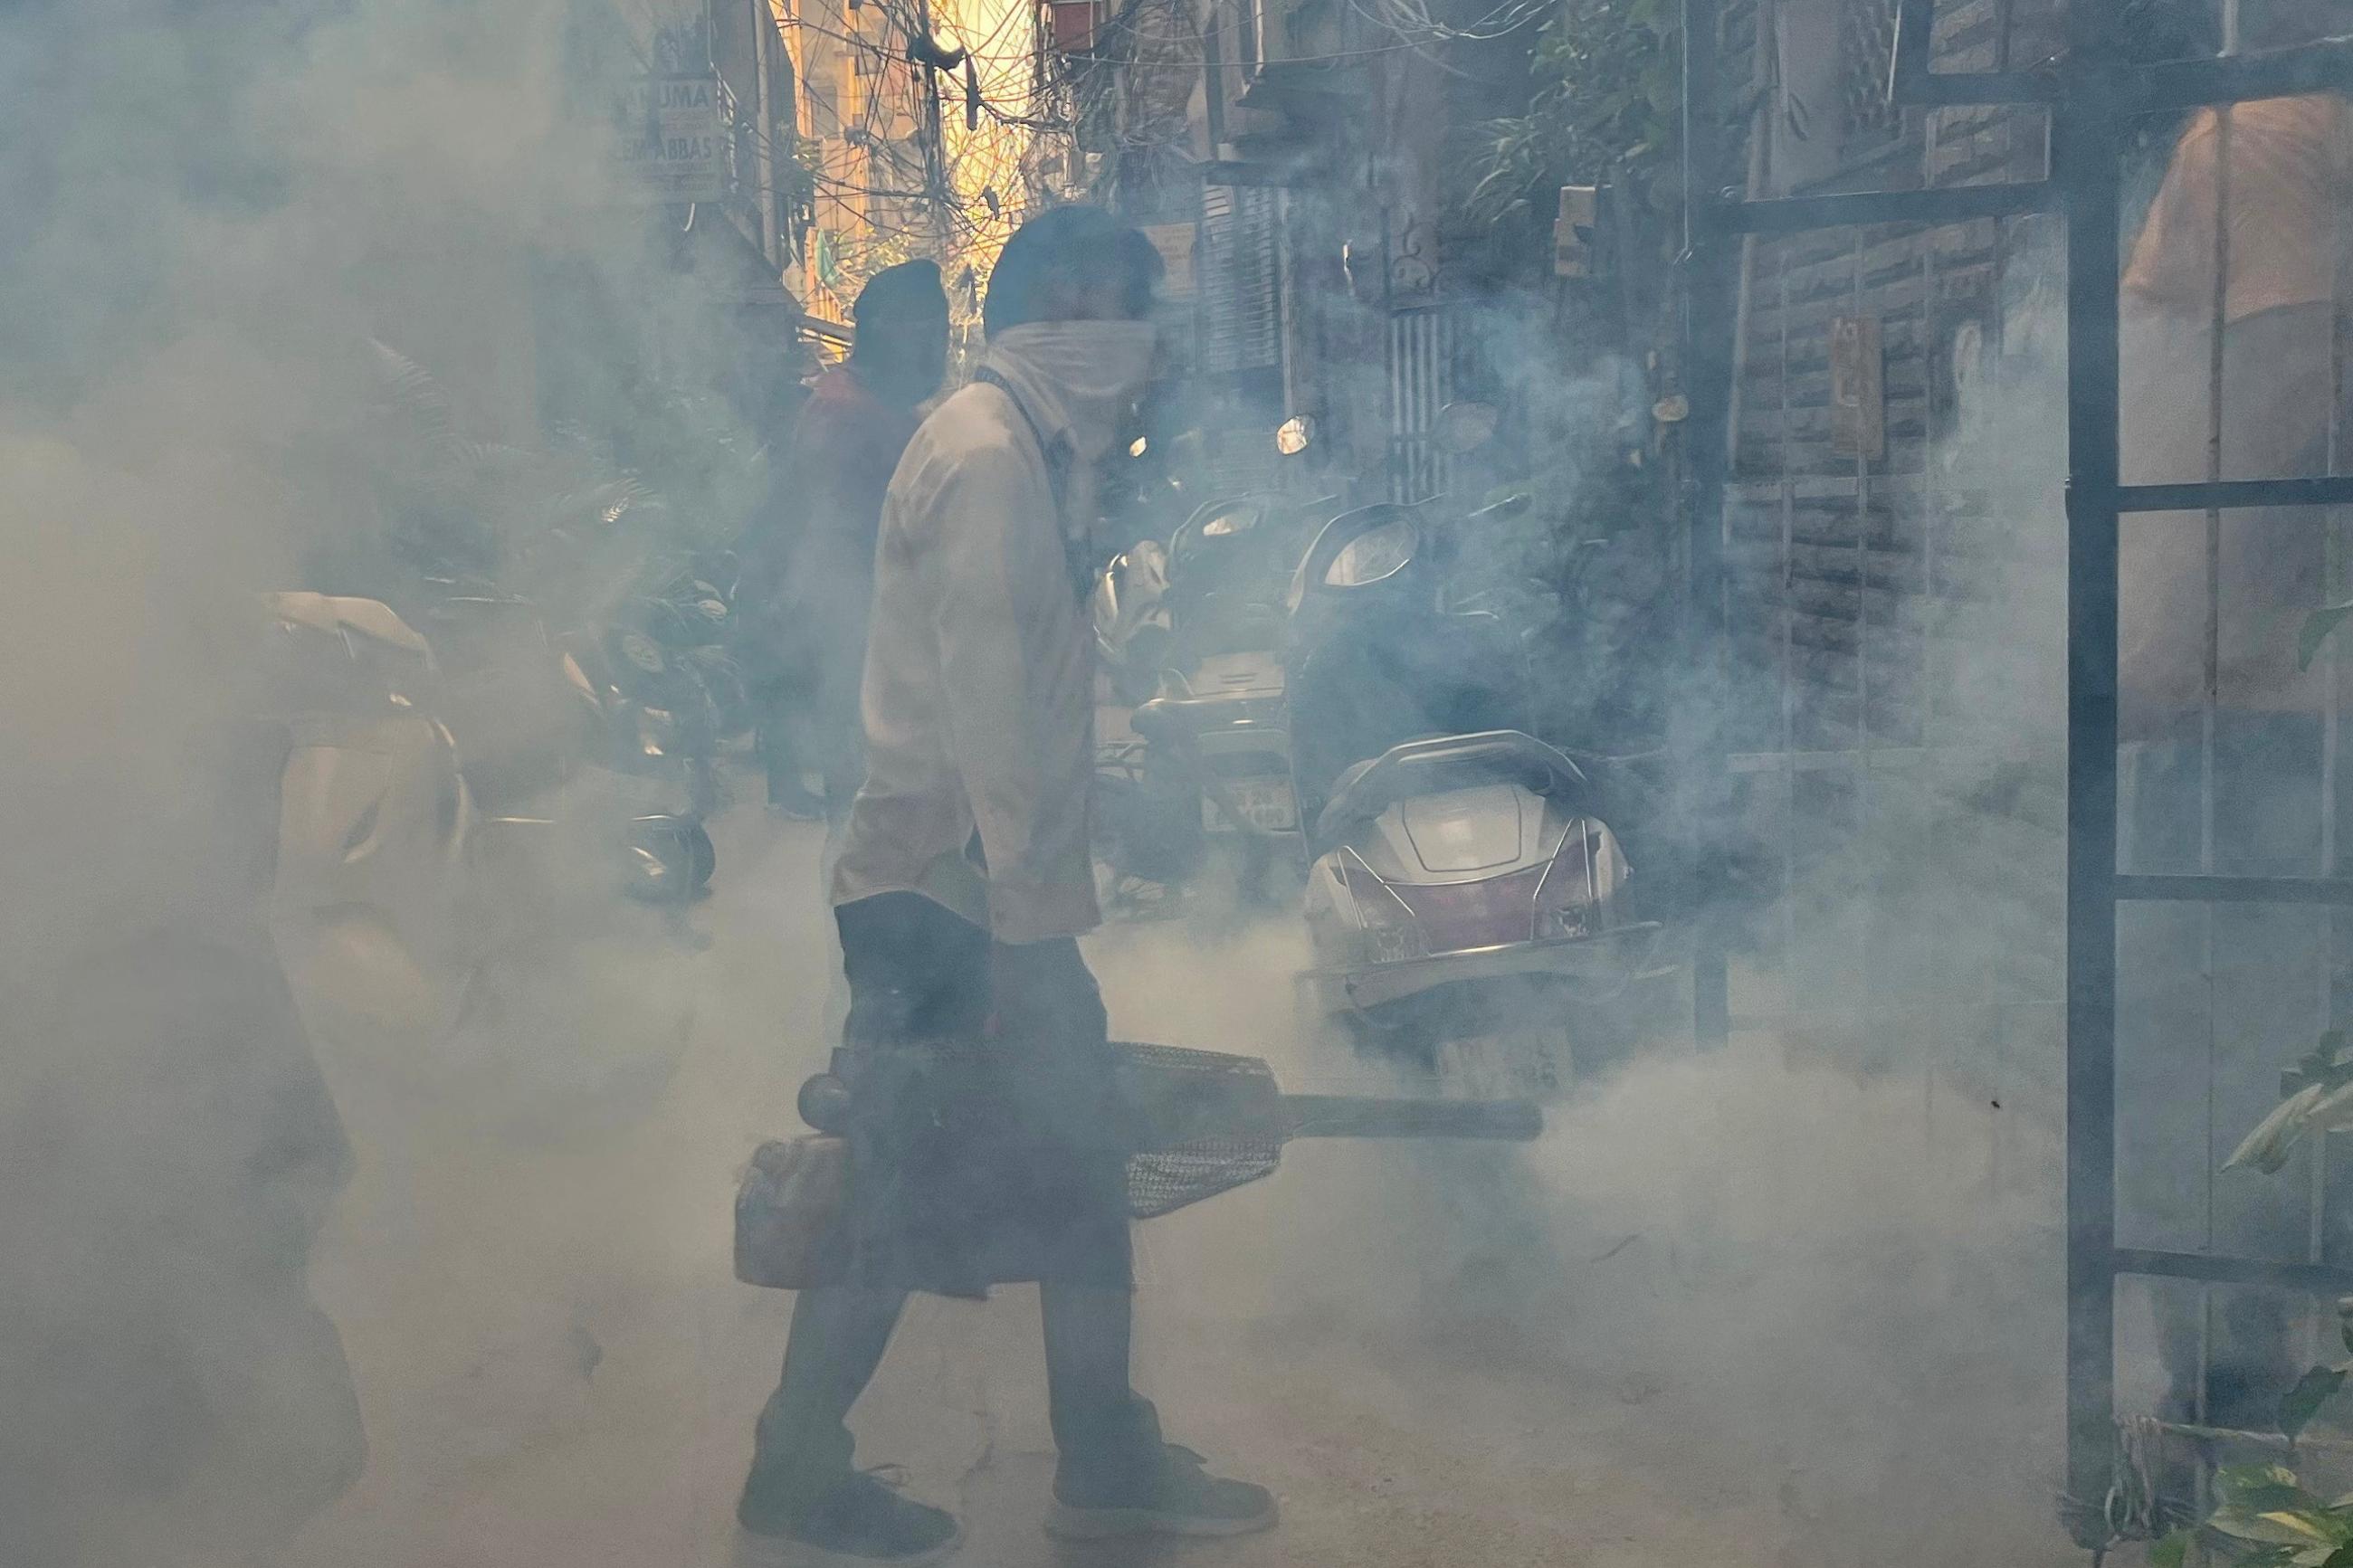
(2090, 95)
(1422, 366)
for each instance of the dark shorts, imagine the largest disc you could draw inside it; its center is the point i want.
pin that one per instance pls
(986, 1141)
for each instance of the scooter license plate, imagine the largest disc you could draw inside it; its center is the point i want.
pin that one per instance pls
(1268, 805)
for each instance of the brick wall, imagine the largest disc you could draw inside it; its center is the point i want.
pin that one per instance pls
(1899, 605)
(1842, 569)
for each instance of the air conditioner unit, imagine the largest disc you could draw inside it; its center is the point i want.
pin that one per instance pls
(1072, 24)
(1289, 45)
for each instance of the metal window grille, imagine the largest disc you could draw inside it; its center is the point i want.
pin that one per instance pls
(1240, 293)
(1866, 53)
(2092, 95)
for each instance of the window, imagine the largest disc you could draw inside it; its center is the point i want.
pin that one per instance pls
(1831, 112)
(1868, 121)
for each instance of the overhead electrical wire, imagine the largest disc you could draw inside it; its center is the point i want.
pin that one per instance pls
(1053, 106)
(974, 152)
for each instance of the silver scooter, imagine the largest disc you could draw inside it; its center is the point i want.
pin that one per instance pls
(1466, 901)
(1193, 757)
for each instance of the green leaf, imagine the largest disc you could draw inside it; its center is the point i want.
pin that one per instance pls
(2315, 1388)
(2255, 1488)
(2173, 1551)
(2267, 1148)
(2295, 1528)
(2277, 1526)
(2316, 627)
(2317, 1527)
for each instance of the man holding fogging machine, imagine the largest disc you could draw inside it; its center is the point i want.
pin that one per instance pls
(987, 1145)
(2232, 288)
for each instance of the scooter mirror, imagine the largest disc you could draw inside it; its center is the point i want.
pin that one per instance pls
(1128, 591)
(1467, 426)
(1512, 505)
(1102, 605)
(1295, 435)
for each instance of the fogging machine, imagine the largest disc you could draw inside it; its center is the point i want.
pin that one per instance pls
(1205, 1122)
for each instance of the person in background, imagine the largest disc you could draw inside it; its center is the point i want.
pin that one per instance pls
(984, 1139)
(2230, 288)
(810, 557)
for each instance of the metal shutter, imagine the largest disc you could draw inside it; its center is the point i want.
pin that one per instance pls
(1240, 310)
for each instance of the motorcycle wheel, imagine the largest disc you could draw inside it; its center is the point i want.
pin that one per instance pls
(670, 859)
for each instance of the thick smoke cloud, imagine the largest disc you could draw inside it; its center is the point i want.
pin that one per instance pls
(1797, 1304)
(216, 210)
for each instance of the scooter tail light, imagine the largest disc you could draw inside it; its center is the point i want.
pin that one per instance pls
(1414, 919)
(1387, 930)
(1458, 917)
(1579, 892)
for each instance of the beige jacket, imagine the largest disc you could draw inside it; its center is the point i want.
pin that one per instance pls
(2288, 176)
(979, 690)
(2287, 162)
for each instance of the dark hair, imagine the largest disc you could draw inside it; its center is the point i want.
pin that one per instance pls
(905, 289)
(1065, 251)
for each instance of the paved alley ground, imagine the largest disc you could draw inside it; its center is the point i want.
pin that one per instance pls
(1686, 1328)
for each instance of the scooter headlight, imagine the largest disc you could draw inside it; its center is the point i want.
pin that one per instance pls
(658, 734)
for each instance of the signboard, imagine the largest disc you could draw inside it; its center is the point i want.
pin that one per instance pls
(1175, 243)
(1572, 231)
(669, 140)
(1071, 25)
(1858, 392)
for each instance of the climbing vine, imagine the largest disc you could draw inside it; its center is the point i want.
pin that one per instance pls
(1607, 110)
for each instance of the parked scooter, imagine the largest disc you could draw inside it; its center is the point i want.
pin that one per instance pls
(686, 608)
(469, 952)
(369, 893)
(1147, 828)
(535, 718)
(1466, 897)
(1579, 610)
(1130, 610)
(1216, 723)
(1193, 753)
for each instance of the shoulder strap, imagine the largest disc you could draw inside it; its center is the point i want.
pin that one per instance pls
(1051, 453)
(1057, 459)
